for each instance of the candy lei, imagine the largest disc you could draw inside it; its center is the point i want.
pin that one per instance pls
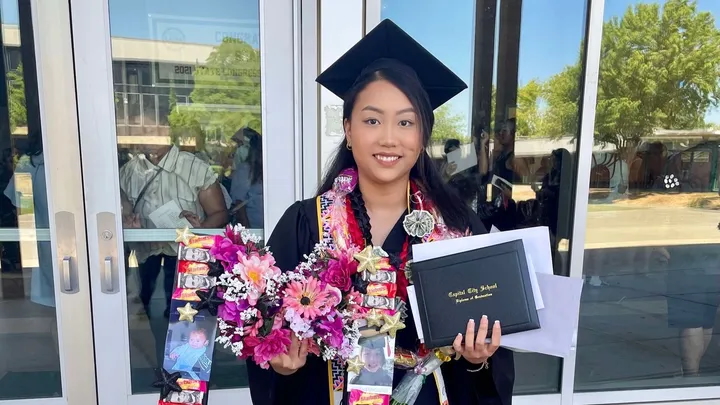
(345, 226)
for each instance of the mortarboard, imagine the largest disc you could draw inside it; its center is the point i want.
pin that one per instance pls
(382, 46)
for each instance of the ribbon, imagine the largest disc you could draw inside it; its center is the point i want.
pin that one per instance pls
(187, 357)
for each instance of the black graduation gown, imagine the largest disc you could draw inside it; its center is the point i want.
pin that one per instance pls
(295, 236)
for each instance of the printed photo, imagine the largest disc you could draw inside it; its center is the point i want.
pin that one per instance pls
(194, 254)
(185, 397)
(377, 357)
(195, 281)
(189, 345)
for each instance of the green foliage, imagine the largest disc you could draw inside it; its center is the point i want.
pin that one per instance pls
(226, 96)
(448, 125)
(529, 117)
(658, 70)
(16, 98)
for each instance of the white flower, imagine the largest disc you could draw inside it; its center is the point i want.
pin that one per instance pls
(671, 181)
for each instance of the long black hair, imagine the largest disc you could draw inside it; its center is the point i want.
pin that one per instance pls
(446, 200)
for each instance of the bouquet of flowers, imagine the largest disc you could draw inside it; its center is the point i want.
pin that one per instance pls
(264, 306)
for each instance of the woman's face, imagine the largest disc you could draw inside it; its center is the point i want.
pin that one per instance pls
(384, 133)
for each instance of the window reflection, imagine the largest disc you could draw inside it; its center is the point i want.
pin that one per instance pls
(507, 144)
(29, 354)
(652, 263)
(189, 140)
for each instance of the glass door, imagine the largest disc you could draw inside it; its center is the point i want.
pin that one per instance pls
(187, 117)
(46, 345)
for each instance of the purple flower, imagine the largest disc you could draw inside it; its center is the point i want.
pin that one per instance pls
(225, 251)
(230, 311)
(330, 330)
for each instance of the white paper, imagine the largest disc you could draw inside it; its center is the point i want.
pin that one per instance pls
(168, 217)
(558, 320)
(493, 229)
(415, 309)
(536, 242)
(463, 157)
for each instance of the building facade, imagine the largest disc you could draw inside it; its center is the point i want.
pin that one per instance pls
(602, 114)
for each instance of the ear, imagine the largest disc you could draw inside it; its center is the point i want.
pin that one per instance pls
(346, 128)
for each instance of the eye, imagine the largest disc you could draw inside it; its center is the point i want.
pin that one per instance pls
(406, 123)
(372, 121)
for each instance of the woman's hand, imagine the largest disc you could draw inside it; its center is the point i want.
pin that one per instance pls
(286, 364)
(131, 221)
(475, 350)
(192, 218)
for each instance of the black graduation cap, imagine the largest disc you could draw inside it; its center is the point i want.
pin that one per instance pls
(388, 42)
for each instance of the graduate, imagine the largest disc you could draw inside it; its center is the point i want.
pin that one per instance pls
(382, 190)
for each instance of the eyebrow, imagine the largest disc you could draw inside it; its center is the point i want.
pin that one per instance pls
(379, 111)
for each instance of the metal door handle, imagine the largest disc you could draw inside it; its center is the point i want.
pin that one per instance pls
(108, 253)
(66, 274)
(67, 252)
(108, 275)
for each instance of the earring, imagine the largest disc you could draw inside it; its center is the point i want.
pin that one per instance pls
(348, 146)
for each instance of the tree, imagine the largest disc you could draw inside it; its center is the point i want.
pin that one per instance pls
(16, 98)
(226, 96)
(658, 70)
(529, 116)
(448, 125)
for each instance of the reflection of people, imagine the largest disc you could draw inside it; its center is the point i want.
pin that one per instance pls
(373, 356)
(246, 189)
(188, 354)
(149, 181)
(32, 168)
(390, 86)
(448, 168)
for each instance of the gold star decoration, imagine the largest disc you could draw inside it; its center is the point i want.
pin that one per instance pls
(355, 365)
(374, 318)
(184, 235)
(392, 324)
(187, 313)
(369, 259)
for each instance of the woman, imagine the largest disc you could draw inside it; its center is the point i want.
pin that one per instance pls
(246, 188)
(386, 174)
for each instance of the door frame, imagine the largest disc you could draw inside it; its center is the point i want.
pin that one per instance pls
(61, 151)
(282, 181)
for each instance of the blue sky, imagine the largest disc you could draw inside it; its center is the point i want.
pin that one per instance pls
(551, 30)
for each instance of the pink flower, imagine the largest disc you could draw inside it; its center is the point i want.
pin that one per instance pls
(249, 343)
(274, 344)
(253, 329)
(255, 270)
(338, 273)
(313, 347)
(308, 298)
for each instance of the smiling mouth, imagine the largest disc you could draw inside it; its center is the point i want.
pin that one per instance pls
(386, 158)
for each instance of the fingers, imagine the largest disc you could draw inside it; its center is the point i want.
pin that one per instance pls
(470, 336)
(482, 333)
(496, 335)
(457, 344)
(303, 349)
(294, 345)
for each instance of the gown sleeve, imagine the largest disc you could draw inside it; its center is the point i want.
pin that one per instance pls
(497, 381)
(294, 236)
